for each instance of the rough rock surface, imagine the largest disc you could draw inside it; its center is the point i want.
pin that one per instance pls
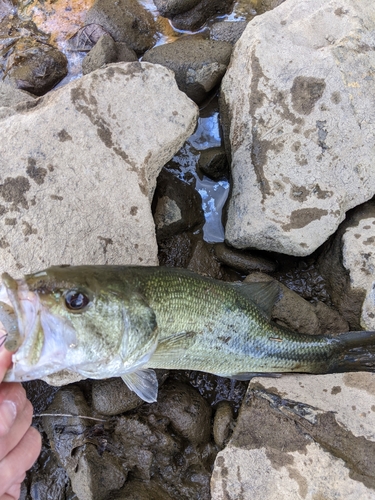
(223, 423)
(189, 414)
(213, 163)
(78, 189)
(197, 15)
(126, 21)
(244, 262)
(10, 97)
(348, 263)
(178, 206)
(103, 52)
(112, 396)
(163, 451)
(124, 53)
(227, 31)
(92, 476)
(301, 437)
(299, 123)
(198, 64)
(358, 253)
(35, 67)
(300, 315)
(202, 261)
(174, 7)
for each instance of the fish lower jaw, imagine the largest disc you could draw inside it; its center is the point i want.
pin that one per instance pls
(25, 372)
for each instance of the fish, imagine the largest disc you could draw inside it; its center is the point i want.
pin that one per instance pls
(126, 321)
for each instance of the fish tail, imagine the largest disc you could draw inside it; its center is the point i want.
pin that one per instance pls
(355, 352)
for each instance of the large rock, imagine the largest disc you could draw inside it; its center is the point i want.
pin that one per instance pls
(190, 15)
(35, 67)
(301, 437)
(299, 123)
(10, 97)
(198, 64)
(126, 21)
(79, 169)
(348, 264)
(178, 206)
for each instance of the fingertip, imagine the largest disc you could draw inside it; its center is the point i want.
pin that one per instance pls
(8, 413)
(5, 361)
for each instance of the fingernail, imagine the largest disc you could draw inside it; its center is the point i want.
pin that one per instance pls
(8, 412)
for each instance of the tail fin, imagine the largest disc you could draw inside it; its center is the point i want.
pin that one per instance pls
(355, 352)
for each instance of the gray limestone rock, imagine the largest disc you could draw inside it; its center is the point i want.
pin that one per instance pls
(227, 31)
(10, 97)
(298, 115)
(104, 52)
(79, 169)
(198, 64)
(124, 53)
(126, 21)
(301, 437)
(348, 264)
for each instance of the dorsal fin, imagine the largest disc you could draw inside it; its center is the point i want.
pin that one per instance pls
(264, 294)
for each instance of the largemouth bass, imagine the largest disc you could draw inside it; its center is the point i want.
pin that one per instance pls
(107, 321)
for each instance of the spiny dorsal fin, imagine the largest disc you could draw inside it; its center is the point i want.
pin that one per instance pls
(263, 293)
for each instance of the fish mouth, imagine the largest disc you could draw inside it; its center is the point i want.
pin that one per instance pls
(31, 333)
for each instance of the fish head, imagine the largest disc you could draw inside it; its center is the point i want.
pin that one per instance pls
(81, 319)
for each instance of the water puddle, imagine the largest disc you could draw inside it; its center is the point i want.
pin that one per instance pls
(214, 194)
(185, 166)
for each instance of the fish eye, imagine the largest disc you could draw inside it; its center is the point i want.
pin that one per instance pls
(76, 300)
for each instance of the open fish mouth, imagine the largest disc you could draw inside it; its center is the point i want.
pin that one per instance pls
(17, 305)
(30, 332)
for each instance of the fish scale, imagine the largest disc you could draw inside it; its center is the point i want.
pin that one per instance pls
(225, 324)
(106, 321)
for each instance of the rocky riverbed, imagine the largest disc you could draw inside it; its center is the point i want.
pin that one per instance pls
(129, 131)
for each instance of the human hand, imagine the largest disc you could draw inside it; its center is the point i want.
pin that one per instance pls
(19, 443)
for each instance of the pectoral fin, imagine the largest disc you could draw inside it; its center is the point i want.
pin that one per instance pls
(171, 349)
(144, 383)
